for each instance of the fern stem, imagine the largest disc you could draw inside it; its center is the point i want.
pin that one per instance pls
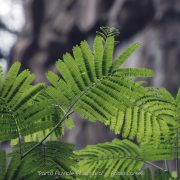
(52, 130)
(167, 168)
(154, 165)
(68, 113)
(166, 165)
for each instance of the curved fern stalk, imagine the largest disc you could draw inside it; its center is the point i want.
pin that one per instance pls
(90, 72)
(66, 115)
(49, 157)
(151, 116)
(112, 157)
(56, 112)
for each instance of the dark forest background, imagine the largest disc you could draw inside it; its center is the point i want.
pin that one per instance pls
(38, 32)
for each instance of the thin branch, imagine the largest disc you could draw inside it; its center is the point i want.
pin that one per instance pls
(68, 113)
(52, 130)
(167, 168)
(154, 165)
(166, 165)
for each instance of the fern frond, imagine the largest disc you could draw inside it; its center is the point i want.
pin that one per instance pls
(167, 149)
(121, 156)
(151, 115)
(124, 56)
(51, 156)
(87, 77)
(159, 152)
(133, 72)
(116, 156)
(108, 55)
(20, 112)
(98, 55)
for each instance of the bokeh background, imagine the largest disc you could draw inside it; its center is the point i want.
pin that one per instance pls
(38, 32)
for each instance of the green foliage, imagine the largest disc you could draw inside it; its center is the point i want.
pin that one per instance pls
(87, 81)
(120, 156)
(151, 116)
(106, 32)
(124, 56)
(110, 158)
(22, 112)
(51, 156)
(93, 84)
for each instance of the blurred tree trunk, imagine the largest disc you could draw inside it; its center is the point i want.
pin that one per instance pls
(53, 27)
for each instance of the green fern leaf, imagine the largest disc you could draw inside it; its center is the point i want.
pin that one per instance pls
(108, 55)
(98, 55)
(117, 156)
(124, 56)
(131, 72)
